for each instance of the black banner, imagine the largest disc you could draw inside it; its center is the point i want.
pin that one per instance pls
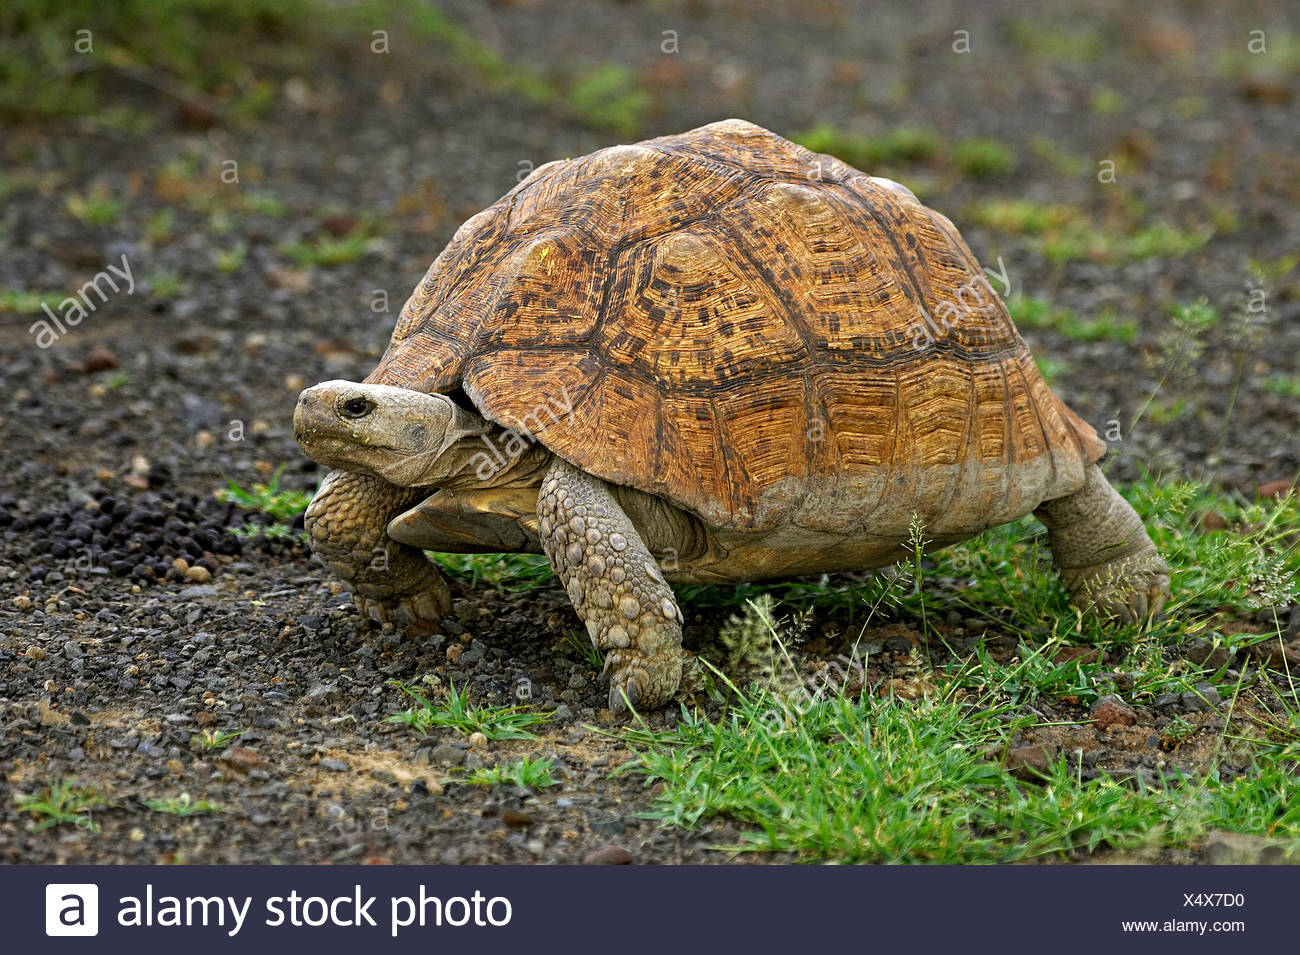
(634, 909)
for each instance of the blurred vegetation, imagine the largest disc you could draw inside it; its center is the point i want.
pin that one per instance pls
(183, 47)
(904, 144)
(982, 158)
(221, 59)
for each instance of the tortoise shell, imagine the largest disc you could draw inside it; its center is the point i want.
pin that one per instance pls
(755, 332)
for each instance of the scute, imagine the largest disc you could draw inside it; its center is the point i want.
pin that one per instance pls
(752, 331)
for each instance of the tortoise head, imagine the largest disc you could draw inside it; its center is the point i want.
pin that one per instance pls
(397, 434)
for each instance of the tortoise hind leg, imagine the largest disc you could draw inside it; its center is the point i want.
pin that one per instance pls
(614, 584)
(1107, 561)
(347, 525)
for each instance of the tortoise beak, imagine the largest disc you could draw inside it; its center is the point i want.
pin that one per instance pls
(312, 416)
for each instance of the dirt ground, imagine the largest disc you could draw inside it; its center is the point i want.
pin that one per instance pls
(112, 661)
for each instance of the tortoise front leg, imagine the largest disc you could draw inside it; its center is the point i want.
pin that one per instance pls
(1107, 561)
(614, 584)
(347, 524)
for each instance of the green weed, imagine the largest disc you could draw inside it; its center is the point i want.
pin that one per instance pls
(509, 572)
(62, 802)
(327, 251)
(1078, 43)
(1020, 216)
(28, 303)
(1036, 313)
(159, 226)
(166, 284)
(582, 645)
(1106, 102)
(215, 739)
(526, 774)
(1286, 385)
(183, 805)
(610, 97)
(494, 722)
(268, 498)
(901, 145)
(982, 158)
(97, 208)
(228, 260)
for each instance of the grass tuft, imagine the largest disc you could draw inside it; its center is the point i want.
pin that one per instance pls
(62, 802)
(268, 498)
(494, 722)
(982, 158)
(184, 805)
(526, 774)
(509, 572)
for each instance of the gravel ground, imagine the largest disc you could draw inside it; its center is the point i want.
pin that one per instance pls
(134, 619)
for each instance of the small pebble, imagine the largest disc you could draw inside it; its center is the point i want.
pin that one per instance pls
(609, 855)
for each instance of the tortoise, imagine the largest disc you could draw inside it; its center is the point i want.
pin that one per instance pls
(709, 357)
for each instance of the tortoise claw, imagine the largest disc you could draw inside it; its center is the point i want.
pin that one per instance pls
(414, 612)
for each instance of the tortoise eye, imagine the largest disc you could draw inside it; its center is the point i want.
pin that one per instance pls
(356, 407)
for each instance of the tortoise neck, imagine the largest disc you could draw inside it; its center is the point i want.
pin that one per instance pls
(500, 457)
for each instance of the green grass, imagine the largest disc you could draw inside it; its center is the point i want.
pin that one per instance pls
(1280, 59)
(1159, 240)
(582, 645)
(456, 712)
(166, 284)
(1065, 232)
(184, 805)
(982, 158)
(1286, 385)
(511, 572)
(263, 204)
(610, 97)
(1077, 43)
(327, 251)
(526, 773)
(215, 739)
(1051, 368)
(28, 303)
(1106, 102)
(904, 144)
(1028, 312)
(468, 51)
(229, 260)
(268, 498)
(1062, 161)
(159, 226)
(1020, 216)
(831, 774)
(189, 46)
(96, 208)
(62, 802)
(1165, 411)
(1265, 271)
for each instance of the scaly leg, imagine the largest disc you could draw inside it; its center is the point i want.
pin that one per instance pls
(1107, 561)
(614, 584)
(347, 524)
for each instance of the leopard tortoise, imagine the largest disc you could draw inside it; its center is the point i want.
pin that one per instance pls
(711, 357)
